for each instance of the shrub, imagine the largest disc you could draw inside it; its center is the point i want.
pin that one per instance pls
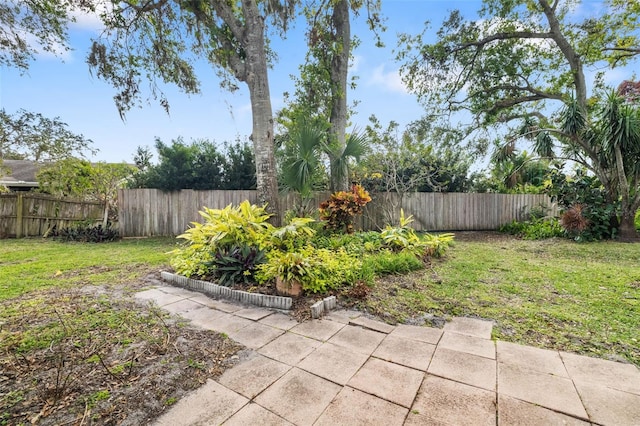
(340, 209)
(236, 264)
(318, 270)
(86, 234)
(600, 214)
(536, 229)
(244, 225)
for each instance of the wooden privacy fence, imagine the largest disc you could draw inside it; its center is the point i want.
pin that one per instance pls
(29, 214)
(151, 212)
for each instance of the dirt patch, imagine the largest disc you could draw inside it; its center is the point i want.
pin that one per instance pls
(482, 236)
(118, 362)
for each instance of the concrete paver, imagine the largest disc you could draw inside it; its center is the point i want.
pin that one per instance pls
(541, 360)
(254, 375)
(415, 354)
(389, 381)
(463, 367)
(298, 396)
(444, 401)
(256, 335)
(513, 412)
(253, 313)
(358, 339)
(281, 321)
(178, 291)
(547, 390)
(229, 324)
(372, 324)
(421, 334)
(469, 344)
(210, 404)
(318, 329)
(333, 363)
(610, 406)
(289, 348)
(348, 370)
(352, 407)
(470, 326)
(342, 316)
(253, 414)
(624, 377)
(160, 298)
(182, 306)
(204, 317)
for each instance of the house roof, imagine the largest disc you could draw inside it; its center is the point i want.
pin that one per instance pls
(21, 172)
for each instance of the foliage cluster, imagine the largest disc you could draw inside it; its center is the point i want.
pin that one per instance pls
(200, 165)
(74, 177)
(535, 229)
(237, 245)
(587, 214)
(27, 135)
(86, 234)
(222, 230)
(340, 209)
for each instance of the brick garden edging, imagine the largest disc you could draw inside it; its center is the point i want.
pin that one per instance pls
(257, 299)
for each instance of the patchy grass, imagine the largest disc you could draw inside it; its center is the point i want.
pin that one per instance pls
(582, 298)
(33, 264)
(76, 349)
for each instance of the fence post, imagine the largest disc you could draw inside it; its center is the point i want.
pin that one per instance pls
(19, 209)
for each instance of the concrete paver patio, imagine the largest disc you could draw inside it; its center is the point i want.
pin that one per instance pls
(347, 369)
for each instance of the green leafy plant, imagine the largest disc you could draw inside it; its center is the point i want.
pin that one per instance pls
(587, 212)
(86, 234)
(340, 209)
(402, 237)
(222, 229)
(236, 264)
(317, 270)
(535, 229)
(356, 243)
(437, 244)
(288, 266)
(296, 232)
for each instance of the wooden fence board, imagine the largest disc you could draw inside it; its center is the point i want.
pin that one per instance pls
(30, 214)
(151, 212)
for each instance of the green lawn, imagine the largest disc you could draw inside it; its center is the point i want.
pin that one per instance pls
(31, 264)
(556, 294)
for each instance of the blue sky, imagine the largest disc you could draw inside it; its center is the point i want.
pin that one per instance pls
(64, 87)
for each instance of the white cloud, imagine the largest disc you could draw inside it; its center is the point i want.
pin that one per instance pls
(389, 81)
(90, 21)
(56, 50)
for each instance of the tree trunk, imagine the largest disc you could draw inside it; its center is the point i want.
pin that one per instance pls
(338, 74)
(627, 228)
(262, 133)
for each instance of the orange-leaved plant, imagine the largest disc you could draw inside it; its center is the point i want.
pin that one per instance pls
(340, 209)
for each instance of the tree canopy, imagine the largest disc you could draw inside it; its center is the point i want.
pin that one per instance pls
(199, 165)
(521, 70)
(28, 135)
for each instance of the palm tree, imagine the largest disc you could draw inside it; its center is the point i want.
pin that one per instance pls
(304, 162)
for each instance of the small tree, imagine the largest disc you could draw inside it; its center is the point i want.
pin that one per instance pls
(78, 178)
